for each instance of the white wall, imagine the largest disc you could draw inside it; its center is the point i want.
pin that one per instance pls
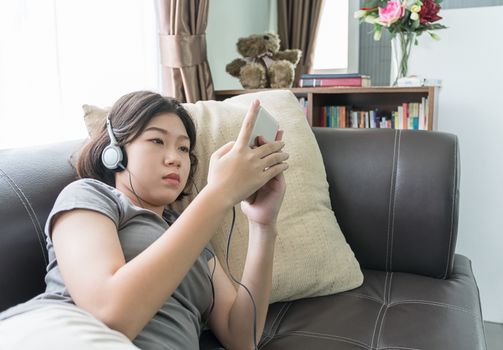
(228, 20)
(469, 59)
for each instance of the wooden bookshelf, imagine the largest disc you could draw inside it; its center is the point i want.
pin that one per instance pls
(386, 99)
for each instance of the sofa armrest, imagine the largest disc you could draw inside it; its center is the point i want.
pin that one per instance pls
(395, 195)
(30, 180)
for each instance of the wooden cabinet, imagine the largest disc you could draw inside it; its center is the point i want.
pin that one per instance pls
(383, 99)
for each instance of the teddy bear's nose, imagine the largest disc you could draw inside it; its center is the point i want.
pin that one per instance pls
(266, 37)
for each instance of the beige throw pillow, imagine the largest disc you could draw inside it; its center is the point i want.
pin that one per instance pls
(312, 257)
(94, 118)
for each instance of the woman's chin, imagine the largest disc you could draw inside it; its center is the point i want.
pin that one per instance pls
(167, 199)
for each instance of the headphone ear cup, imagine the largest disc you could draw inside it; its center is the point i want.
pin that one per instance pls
(123, 161)
(111, 157)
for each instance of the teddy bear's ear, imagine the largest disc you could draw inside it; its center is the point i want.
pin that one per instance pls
(272, 36)
(292, 55)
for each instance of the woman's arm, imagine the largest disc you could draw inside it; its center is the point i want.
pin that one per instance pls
(232, 317)
(232, 321)
(125, 296)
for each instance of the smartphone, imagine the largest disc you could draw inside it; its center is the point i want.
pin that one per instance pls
(265, 126)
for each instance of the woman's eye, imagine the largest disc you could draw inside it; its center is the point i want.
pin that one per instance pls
(157, 141)
(185, 149)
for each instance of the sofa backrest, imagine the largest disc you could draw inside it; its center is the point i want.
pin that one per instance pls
(30, 180)
(395, 194)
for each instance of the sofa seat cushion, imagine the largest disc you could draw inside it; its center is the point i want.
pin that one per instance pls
(391, 310)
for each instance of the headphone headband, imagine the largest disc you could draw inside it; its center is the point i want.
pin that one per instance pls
(112, 156)
(111, 135)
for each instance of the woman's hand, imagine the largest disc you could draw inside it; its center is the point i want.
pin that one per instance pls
(263, 206)
(236, 171)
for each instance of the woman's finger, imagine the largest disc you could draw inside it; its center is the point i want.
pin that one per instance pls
(224, 149)
(269, 148)
(248, 123)
(275, 158)
(279, 134)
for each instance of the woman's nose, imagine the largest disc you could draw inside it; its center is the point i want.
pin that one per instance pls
(172, 158)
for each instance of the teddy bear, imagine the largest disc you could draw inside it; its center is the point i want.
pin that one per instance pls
(263, 65)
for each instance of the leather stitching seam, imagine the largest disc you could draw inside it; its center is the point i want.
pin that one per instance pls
(380, 310)
(330, 336)
(29, 210)
(391, 194)
(454, 180)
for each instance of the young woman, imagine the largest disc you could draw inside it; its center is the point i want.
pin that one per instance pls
(124, 271)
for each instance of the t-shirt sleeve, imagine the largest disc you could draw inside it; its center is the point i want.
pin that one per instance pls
(208, 252)
(85, 194)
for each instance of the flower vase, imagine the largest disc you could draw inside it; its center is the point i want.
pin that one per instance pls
(401, 46)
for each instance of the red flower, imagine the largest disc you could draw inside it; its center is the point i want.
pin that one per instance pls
(429, 12)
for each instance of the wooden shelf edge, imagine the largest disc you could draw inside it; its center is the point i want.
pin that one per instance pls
(334, 90)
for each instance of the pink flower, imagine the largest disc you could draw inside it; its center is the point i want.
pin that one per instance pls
(391, 13)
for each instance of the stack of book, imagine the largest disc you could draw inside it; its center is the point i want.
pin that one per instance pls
(412, 116)
(342, 80)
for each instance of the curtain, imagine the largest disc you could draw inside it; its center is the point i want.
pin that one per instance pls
(297, 27)
(185, 72)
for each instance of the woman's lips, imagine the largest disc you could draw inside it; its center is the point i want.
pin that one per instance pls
(171, 179)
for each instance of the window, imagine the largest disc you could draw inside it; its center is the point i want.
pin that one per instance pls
(337, 42)
(56, 55)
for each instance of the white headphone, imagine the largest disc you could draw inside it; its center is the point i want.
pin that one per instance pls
(112, 155)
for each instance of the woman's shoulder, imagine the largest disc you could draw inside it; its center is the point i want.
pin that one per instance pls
(90, 194)
(86, 183)
(89, 187)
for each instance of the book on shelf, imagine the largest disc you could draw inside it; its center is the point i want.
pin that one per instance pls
(327, 80)
(332, 75)
(303, 103)
(412, 116)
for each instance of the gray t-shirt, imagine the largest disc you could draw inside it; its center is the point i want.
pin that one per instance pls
(177, 325)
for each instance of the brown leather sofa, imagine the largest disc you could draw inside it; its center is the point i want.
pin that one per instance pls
(395, 195)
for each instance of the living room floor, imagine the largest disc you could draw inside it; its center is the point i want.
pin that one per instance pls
(494, 335)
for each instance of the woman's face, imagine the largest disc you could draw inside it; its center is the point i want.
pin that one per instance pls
(158, 163)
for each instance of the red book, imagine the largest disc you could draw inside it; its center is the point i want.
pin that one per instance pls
(324, 82)
(405, 107)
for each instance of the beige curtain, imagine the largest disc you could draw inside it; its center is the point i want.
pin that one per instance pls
(186, 73)
(297, 28)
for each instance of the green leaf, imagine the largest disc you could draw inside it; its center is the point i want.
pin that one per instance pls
(436, 26)
(383, 3)
(370, 3)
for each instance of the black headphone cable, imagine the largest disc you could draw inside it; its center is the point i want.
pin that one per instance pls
(239, 283)
(131, 184)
